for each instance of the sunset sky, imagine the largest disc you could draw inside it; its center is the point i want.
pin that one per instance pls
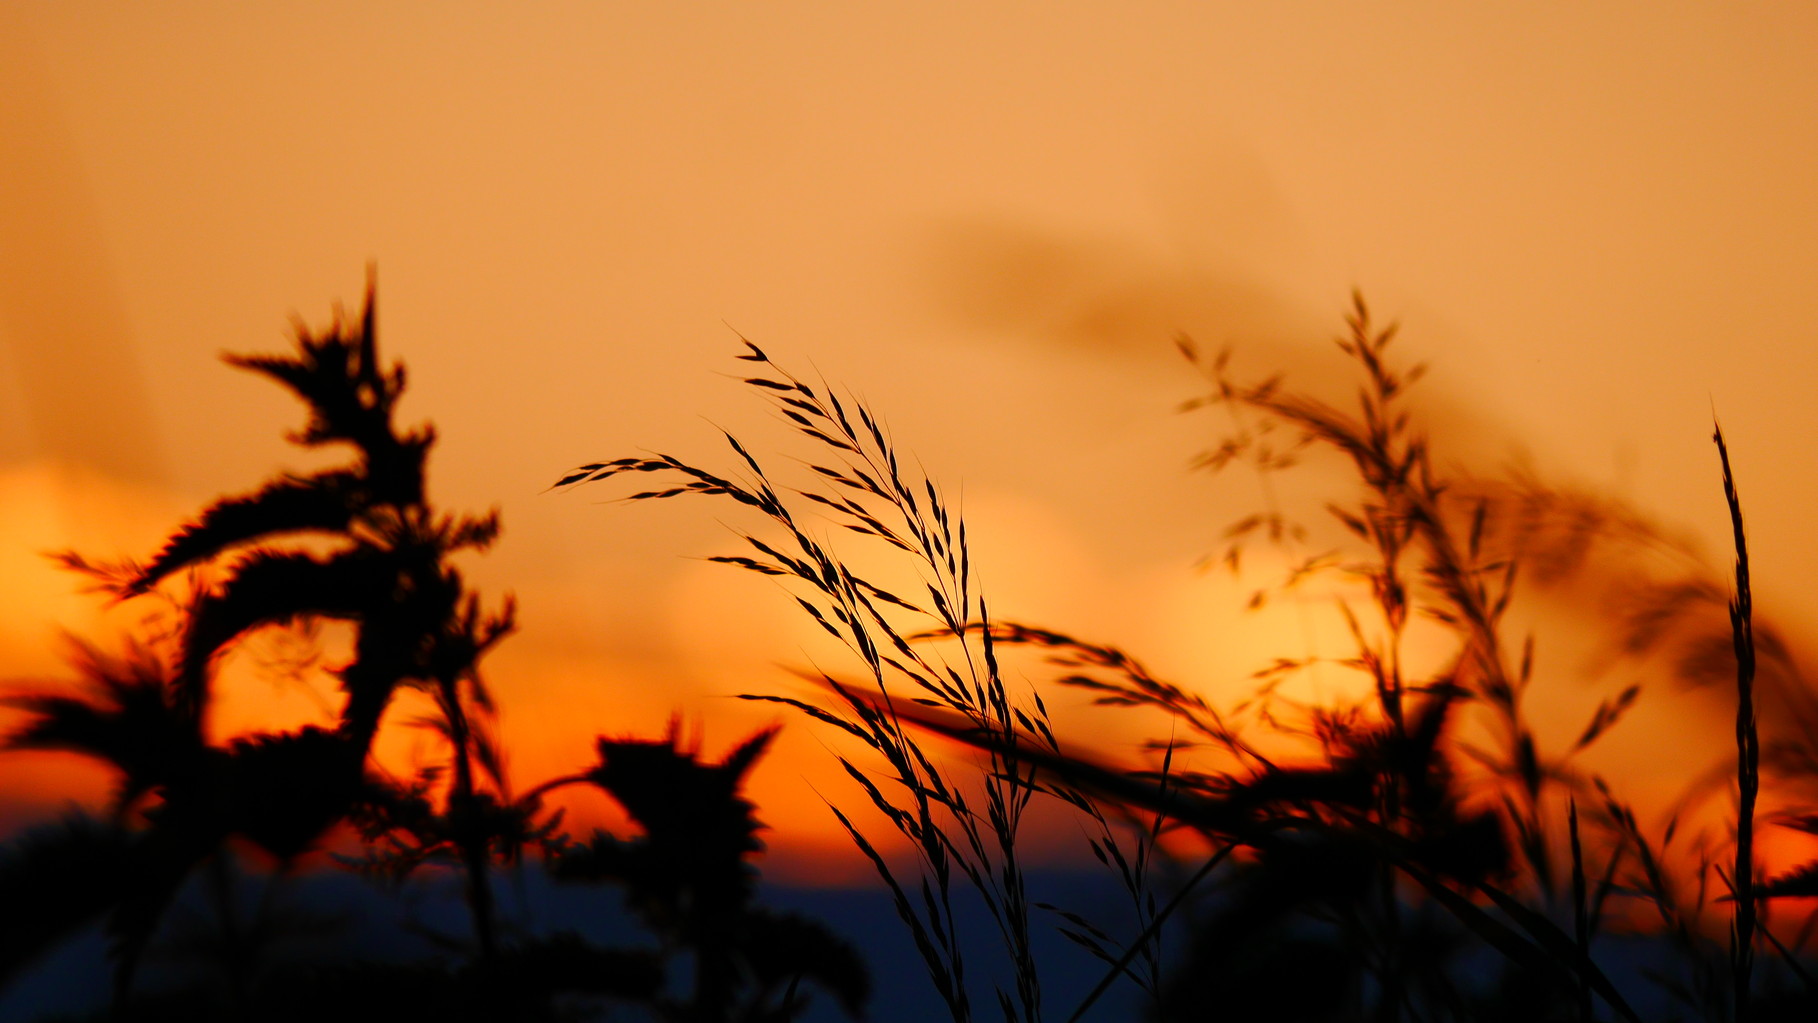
(1598, 223)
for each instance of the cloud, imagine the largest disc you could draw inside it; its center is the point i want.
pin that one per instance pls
(79, 392)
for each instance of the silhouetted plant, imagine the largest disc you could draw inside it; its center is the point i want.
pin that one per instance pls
(1366, 862)
(688, 879)
(360, 544)
(1409, 512)
(953, 828)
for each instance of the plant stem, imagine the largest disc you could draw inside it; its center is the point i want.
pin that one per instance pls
(471, 840)
(1748, 751)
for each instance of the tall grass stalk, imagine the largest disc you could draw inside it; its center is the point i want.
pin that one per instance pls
(1748, 751)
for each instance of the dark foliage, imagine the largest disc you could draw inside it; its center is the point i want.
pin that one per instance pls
(360, 544)
(687, 877)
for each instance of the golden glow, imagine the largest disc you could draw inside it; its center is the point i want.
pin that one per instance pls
(1595, 223)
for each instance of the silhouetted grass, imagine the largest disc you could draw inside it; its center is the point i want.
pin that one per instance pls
(1398, 855)
(958, 832)
(1748, 753)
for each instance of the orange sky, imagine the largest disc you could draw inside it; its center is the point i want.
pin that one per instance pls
(1596, 221)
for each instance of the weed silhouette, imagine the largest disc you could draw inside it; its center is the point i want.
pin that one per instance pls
(360, 544)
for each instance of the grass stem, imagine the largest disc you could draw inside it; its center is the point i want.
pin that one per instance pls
(1748, 750)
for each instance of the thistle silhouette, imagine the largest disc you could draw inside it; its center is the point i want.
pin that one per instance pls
(360, 544)
(386, 572)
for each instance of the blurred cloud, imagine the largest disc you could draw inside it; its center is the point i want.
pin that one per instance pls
(1099, 293)
(79, 395)
(1122, 303)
